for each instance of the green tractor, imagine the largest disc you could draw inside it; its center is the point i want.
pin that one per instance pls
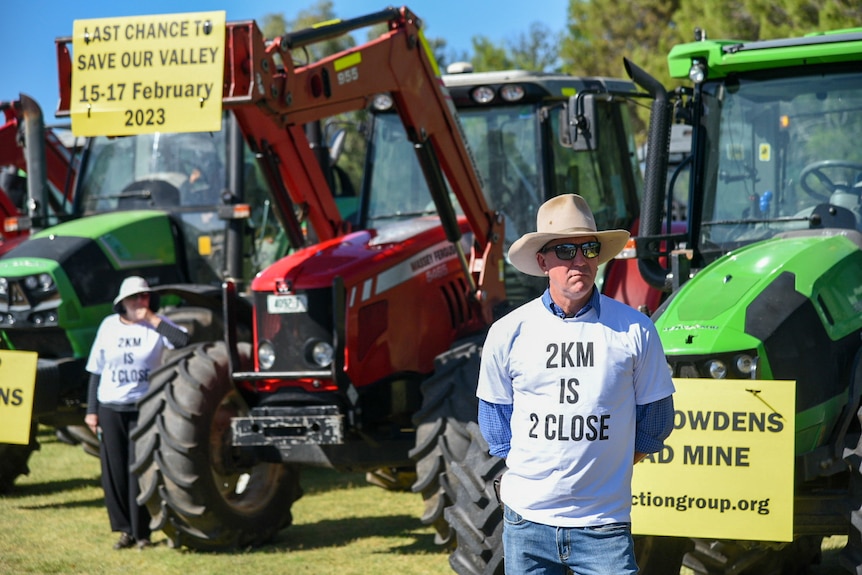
(152, 205)
(766, 283)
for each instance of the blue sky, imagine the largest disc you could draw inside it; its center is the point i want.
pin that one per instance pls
(28, 28)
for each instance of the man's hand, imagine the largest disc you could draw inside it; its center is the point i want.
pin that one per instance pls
(92, 421)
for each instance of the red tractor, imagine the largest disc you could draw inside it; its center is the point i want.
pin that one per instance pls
(365, 345)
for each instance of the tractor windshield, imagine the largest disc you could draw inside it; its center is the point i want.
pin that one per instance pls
(505, 143)
(781, 153)
(188, 166)
(521, 163)
(185, 175)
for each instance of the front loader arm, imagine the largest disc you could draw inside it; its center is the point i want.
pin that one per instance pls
(399, 62)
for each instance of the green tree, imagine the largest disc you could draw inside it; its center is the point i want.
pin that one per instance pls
(322, 11)
(599, 34)
(489, 56)
(534, 50)
(537, 49)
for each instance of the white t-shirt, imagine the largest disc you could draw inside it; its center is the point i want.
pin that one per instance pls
(574, 384)
(124, 355)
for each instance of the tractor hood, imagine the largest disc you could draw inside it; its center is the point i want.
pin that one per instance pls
(63, 279)
(741, 300)
(419, 245)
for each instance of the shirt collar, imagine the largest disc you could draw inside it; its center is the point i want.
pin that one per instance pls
(593, 303)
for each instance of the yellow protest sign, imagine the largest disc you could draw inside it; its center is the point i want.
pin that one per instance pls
(17, 386)
(727, 469)
(142, 74)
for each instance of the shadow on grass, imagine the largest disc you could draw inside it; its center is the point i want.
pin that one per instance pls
(338, 533)
(51, 487)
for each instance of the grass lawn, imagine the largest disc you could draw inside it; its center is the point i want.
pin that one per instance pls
(55, 522)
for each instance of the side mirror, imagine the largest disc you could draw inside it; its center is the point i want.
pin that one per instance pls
(578, 123)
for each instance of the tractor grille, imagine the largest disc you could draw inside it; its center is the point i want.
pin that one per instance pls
(293, 334)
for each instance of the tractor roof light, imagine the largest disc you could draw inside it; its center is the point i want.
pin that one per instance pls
(482, 95)
(382, 102)
(697, 72)
(512, 92)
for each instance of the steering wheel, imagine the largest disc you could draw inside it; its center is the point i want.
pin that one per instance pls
(816, 170)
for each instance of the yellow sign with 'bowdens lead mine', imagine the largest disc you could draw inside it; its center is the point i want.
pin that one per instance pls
(143, 74)
(726, 471)
(17, 386)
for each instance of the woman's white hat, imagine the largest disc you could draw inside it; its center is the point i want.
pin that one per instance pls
(561, 217)
(132, 285)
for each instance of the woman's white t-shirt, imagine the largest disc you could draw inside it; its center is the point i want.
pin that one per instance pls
(124, 355)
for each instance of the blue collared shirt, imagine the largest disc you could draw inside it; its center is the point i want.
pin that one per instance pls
(654, 421)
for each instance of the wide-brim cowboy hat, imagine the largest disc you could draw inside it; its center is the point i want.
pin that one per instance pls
(562, 217)
(133, 285)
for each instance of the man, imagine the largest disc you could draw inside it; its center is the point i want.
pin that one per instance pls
(574, 389)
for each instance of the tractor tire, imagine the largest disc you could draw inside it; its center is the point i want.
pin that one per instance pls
(81, 434)
(712, 557)
(201, 323)
(660, 555)
(197, 492)
(851, 555)
(477, 520)
(14, 458)
(475, 515)
(448, 404)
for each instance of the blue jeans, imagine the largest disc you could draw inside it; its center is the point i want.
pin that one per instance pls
(545, 550)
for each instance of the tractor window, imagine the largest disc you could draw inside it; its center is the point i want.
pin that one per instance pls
(505, 142)
(119, 173)
(780, 151)
(396, 185)
(609, 181)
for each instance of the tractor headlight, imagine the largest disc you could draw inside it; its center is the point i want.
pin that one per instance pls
(744, 364)
(266, 355)
(46, 282)
(716, 368)
(320, 353)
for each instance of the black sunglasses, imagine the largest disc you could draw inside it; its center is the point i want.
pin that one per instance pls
(569, 251)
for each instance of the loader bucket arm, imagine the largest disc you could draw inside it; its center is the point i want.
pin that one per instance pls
(400, 63)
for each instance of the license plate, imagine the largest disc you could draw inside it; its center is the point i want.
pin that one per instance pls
(286, 303)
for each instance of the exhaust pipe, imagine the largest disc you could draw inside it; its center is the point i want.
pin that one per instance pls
(655, 173)
(34, 155)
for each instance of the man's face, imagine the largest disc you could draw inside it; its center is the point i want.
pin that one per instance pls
(570, 279)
